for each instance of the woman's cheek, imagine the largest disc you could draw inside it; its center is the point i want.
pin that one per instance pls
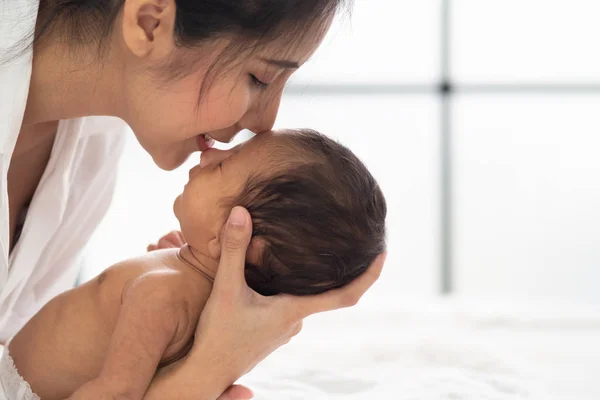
(232, 107)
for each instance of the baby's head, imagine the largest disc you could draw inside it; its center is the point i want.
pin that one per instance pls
(318, 214)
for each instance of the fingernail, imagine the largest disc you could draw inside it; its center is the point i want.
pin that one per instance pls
(237, 217)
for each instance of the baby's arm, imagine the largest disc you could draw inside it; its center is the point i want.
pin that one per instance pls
(152, 316)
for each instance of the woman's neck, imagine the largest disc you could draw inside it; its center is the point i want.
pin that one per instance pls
(70, 81)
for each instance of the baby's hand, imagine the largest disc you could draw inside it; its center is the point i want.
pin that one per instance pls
(173, 239)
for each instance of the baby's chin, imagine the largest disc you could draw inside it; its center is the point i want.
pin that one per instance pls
(176, 204)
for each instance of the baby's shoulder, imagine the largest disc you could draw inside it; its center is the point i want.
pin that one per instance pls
(167, 294)
(154, 271)
(151, 273)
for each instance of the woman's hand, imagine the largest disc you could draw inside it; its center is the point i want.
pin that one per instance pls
(242, 327)
(238, 327)
(170, 240)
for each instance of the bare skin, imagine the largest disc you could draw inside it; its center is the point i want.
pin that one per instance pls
(123, 323)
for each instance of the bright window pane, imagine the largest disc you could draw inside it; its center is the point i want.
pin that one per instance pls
(384, 41)
(397, 137)
(527, 196)
(525, 41)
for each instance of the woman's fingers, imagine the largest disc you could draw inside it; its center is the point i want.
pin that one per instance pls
(172, 239)
(234, 243)
(237, 392)
(176, 237)
(346, 296)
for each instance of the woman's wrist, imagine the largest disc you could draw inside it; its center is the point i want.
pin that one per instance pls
(201, 375)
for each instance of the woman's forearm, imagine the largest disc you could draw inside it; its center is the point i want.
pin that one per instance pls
(189, 379)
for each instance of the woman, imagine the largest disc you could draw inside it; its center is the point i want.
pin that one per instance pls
(180, 74)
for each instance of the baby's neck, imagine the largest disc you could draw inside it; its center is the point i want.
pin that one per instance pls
(200, 263)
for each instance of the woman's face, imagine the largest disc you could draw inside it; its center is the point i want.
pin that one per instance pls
(172, 118)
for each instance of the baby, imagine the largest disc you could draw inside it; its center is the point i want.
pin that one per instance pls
(318, 222)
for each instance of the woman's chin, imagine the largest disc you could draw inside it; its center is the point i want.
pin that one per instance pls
(170, 161)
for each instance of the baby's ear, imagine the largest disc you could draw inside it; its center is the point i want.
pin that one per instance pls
(214, 248)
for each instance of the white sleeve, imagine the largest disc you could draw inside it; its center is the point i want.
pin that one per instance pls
(93, 181)
(69, 204)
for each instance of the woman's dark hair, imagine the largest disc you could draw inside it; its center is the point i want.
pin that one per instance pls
(86, 21)
(321, 222)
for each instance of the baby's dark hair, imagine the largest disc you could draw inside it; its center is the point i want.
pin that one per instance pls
(320, 221)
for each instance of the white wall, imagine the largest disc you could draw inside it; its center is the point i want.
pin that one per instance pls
(527, 193)
(531, 41)
(527, 196)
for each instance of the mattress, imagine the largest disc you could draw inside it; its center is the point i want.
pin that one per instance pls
(441, 349)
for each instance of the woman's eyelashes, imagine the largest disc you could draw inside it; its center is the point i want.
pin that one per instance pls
(257, 82)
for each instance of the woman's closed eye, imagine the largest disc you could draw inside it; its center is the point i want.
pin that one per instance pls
(257, 82)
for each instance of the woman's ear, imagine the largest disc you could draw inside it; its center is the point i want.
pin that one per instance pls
(149, 26)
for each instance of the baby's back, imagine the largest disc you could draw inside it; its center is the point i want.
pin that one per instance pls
(64, 345)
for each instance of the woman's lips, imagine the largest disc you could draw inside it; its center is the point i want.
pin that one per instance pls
(204, 142)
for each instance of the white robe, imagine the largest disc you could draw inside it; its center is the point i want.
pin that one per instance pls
(71, 198)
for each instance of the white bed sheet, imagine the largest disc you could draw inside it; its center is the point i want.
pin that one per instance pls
(438, 350)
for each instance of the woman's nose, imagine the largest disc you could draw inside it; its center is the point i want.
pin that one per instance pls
(263, 117)
(212, 157)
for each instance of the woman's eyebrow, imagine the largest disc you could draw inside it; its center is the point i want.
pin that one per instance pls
(282, 63)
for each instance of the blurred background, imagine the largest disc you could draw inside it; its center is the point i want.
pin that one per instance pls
(481, 121)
